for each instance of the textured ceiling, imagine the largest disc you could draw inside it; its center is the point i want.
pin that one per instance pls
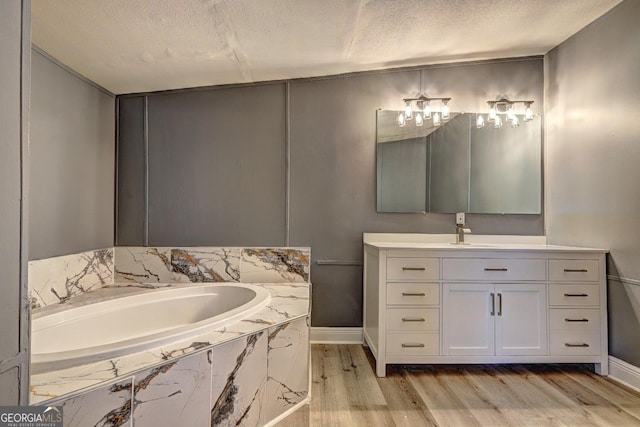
(146, 45)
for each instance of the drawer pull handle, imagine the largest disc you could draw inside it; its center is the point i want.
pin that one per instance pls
(576, 295)
(496, 269)
(575, 320)
(413, 319)
(413, 269)
(567, 344)
(413, 294)
(412, 345)
(569, 270)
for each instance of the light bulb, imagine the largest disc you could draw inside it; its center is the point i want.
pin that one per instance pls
(528, 113)
(419, 120)
(492, 113)
(436, 119)
(401, 120)
(445, 111)
(408, 111)
(497, 122)
(515, 122)
(427, 110)
(510, 113)
(480, 121)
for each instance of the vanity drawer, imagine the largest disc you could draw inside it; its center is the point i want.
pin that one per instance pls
(413, 319)
(574, 294)
(575, 344)
(574, 319)
(413, 344)
(406, 268)
(493, 269)
(573, 270)
(413, 294)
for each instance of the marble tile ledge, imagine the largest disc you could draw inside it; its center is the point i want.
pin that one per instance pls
(289, 301)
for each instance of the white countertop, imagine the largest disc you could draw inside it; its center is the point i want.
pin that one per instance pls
(473, 242)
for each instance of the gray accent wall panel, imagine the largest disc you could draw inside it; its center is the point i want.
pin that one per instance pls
(592, 154)
(10, 172)
(72, 161)
(10, 387)
(131, 172)
(217, 167)
(15, 59)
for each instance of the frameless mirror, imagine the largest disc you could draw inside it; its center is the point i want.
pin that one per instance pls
(458, 167)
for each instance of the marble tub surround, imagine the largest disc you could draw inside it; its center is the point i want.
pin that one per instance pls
(275, 265)
(151, 265)
(240, 366)
(289, 301)
(287, 383)
(58, 279)
(108, 406)
(142, 265)
(253, 380)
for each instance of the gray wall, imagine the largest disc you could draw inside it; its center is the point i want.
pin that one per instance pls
(72, 156)
(253, 165)
(15, 21)
(592, 153)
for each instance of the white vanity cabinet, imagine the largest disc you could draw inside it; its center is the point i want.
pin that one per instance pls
(514, 302)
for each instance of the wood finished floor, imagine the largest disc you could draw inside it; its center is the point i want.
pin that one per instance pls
(346, 392)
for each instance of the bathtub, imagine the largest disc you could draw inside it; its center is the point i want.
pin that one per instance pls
(133, 323)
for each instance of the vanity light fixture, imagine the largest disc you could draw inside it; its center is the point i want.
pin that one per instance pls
(506, 107)
(423, 110)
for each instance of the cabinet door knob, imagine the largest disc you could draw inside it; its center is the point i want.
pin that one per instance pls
(413, 269)
(496, 269)
(576, 320)
(576, 295)
(413, 319)
(581, 270)
(568, 344)
(412, 345)
(413, 294)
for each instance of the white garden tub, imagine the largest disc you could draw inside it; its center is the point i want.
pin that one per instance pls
(133, 323)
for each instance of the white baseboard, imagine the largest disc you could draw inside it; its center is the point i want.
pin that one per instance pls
(328, 335)
(624, 373)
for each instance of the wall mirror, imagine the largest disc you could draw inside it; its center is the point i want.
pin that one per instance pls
(458, 167)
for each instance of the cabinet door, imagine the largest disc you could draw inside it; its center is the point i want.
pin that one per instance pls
(468, 322)
(521, 319)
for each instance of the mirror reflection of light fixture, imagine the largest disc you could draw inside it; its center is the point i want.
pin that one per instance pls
(506, 107)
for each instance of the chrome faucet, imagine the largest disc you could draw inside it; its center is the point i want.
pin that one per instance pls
(460, 230)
